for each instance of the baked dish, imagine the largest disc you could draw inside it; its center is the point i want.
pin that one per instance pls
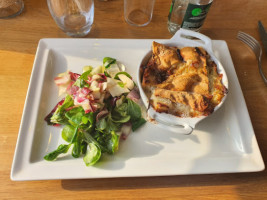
(182, 81)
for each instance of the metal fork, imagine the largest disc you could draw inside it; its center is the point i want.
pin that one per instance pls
(256, 48)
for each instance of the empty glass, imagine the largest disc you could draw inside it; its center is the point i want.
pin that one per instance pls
(10, 8)
(74, 17)
(138, 12)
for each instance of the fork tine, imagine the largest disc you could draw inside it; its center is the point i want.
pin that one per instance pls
(256, 47)
(251, 42)
(245, 37)
(248, 36)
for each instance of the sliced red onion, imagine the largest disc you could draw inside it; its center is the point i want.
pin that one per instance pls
(113, 101)
(73, 90)
(80, 99)
(47, 118)
(85, 90)
(103, 76)
(62, 80)
(69, 87)
(134, 94)
(89, 80)
(74, 76)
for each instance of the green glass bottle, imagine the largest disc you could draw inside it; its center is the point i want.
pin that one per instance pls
(188, 14)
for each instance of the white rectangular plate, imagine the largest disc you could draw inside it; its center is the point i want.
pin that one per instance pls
(222, 143)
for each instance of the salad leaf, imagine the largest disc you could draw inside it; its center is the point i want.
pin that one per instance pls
(85, 74)
(121, 109)
(136, 115)
(101, 124)
(133, 110)
(106, 74)
(73, 139)
(81, 81)
(107, 61)
(138, 123)
(112, 125)
(89, 139)
(48, 117)
(93, 152)
(90, 117)
(75, 115)
(76, 119)
(120, 114)
(113, 143)
(84, 120)
(77, 147)
(68, 133)
(92, 155)
(89, 126)
(125, 73)
(83, 147)
(59, 115)
(63, 148)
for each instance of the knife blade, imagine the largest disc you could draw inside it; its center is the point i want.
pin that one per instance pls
(263, 35)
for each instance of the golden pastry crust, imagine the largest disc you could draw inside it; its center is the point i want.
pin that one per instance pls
(196, 101)
(183, 82)
(164, 57)
(190, 82)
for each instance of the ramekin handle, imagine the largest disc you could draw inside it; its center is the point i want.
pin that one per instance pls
(181, 128)
(183, 35)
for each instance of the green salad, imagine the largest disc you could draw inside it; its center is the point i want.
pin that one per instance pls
(100, 107)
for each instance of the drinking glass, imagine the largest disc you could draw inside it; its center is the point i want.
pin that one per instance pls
(74, 17)
(138, 12)
(10, 8)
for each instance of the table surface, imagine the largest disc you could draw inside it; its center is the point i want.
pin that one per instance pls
(19, 38)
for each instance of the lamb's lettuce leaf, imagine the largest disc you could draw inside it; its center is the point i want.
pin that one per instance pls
(107, 61)
(113, 143)
(92, 155)
(81, 81)
(63, 148)
(68, 132)
(59, 115)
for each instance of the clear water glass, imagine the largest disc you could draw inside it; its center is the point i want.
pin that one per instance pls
(74, 17)
(10, 8)
(138, 12)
